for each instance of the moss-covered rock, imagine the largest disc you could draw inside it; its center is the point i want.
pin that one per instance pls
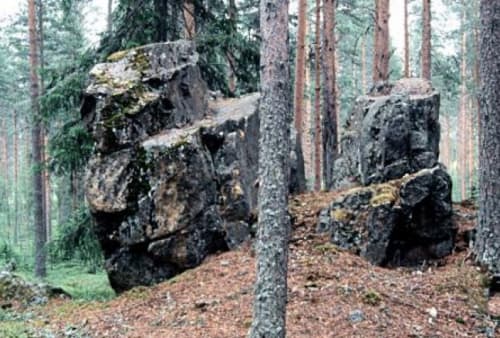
(142, 91)
(15, 288)
(403, 221)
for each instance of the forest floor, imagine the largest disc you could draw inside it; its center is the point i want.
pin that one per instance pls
(332, 293)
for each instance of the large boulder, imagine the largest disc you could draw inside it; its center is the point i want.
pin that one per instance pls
(399, 222)
(392, 131)
(399, 211)
(167, 187)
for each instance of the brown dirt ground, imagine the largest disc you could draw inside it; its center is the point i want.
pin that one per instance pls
(325, 286)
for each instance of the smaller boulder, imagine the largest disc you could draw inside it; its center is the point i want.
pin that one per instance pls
(15, 289)
(400, 222)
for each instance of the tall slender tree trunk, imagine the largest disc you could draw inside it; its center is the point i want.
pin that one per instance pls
(445, 140)
(46, 178)
(43, 132)
(462, 141)
(488, 228)
(269, 311)
(471, 148)
(363, 65)
(307, 136)
(39, 219)
(109, 19)
(300, 64)
(231, 62)
(426, 39)
(6, 177)
(381, 46)
(330, 144)
(5, 151)
(407, 41)
(317, 99)
(189, 19)
(16, 180)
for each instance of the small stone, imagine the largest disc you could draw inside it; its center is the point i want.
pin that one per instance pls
(356, 316)
(432, 312)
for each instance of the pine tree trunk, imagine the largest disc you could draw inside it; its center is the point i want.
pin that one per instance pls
(46, 178)
(16, 180)
(445, 140)
(231, 63)
(407, 42)
(300, 64)
(109, 20)
(330, 145)
(5, 152)
(307, 136)
(381, 45)
(274, 145)
(38, 217)
(426, 40)
(488, 228)
(462, 141)
(189, 20)
(317, 100)
(472, 149)
(363, 66)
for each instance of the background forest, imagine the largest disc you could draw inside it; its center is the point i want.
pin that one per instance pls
(227, 38)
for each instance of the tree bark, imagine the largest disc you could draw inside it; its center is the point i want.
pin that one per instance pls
(300, 64)
(47, 189)
(317, 99)
(407, 41)
(462, 131)
(109, 19)
(189, 20)
(488, 229)
(426, 40)
(274, 146)
(39, 219)
(329, 123)
(5, 152)
(231, 63)
(16, 175)
(363, 65)
(381, 46)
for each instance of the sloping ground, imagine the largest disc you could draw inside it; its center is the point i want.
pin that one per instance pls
(331, 294)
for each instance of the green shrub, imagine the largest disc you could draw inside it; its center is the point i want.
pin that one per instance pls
(76, 240)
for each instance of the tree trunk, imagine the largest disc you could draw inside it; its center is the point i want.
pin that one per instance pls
(462, 132)
(5, 152)
(38, 216)
(488, 229)
(363, 65)
(426, 40)
(231, 63)
(407, 41)
(46, 178)
(16, 180)
(109, 20)
(189, 20)
(317, 99)
(381, 46)
(300, 64)
(471, 146)
(330, 144)
(274, 146)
